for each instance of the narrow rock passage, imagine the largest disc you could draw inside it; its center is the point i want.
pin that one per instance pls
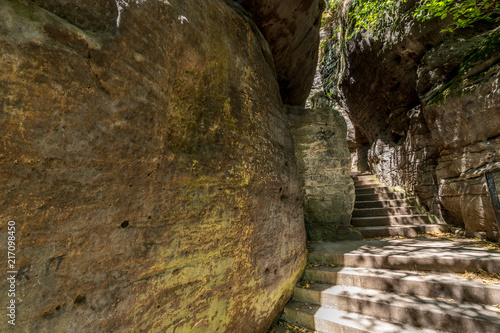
(399, 284)
(382, 211)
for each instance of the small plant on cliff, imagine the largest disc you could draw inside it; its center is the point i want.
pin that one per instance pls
(372, 15)
(331, 4)
(465, 13)
(331, 12)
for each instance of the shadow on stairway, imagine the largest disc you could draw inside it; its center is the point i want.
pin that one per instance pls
(399, 279)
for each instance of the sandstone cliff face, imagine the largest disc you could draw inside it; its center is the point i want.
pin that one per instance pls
(428, 105)
(147, 162)
(324, 167)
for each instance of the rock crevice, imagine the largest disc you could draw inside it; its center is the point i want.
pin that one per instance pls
(292, 30)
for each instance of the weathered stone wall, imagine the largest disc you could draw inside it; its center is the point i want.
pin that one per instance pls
(147, 162)
(356, 143)
(463, 115)
(410, 161)
(324, 167)
(428, 104)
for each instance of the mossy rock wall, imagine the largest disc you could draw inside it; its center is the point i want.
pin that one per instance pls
(149, 168)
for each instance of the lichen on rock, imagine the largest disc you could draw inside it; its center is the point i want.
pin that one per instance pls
(149, 167)
(324, 167)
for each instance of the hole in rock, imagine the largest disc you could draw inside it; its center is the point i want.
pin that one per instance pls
(396, 137)
(124, 224)
(80, 299)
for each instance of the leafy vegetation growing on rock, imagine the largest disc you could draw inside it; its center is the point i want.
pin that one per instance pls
(465, 13)
(377, 15)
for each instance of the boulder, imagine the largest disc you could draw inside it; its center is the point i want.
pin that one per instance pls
(148, 166)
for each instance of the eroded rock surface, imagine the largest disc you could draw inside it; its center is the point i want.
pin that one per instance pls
(148, 166)
(292, 29)
(90, 15)
(428, 105)
(324, 167)
(356, 142)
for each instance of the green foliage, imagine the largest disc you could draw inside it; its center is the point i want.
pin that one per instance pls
(330, 13)
(375, 16)
(345, 18)
(465, 13)
(372, 15)
(331, 4)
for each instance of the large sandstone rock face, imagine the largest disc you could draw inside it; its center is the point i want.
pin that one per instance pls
(428, 105)
(463, 115)
(147, 162)
(324, 166)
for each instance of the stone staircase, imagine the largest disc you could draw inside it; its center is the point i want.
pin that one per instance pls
(381, 211)
(395, 285)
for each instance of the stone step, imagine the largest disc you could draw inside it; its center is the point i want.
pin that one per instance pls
(361, 197)
(410, 310)
(377, 189)
(424, 284)
(401, 230)
(407, 254)
(323, 319)
(387, 211)
(378, 221)
(385, 203)
(366, 182)
(364, 177)
(364, 186)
